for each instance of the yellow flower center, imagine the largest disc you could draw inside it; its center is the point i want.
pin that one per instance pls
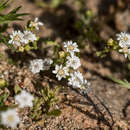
(36, 66)
(21, 48)
(34, 24)
(71, 47)
(10, 118)
(16, 38)
(125, 38)
(61, 72)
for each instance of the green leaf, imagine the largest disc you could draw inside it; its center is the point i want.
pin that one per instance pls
(3, 83)
(17, 89)
(3, 4)
(3, 97)
(27, 47)
(55, 112)
(9, 60)
(52, 43)
(3, 108)
(12, 106)
(124, 83)
(3, 28)
(5, 39)
(11, 16)
(128, 56)
(56, 3)
(35, 45)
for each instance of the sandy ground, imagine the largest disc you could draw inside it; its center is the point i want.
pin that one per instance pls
(107, 105)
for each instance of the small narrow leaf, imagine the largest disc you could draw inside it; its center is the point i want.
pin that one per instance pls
(17, 89)
(129, 57)
(55, 112)
(125, 83)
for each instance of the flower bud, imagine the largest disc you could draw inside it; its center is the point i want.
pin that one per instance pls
(3, 83)
(61, 54)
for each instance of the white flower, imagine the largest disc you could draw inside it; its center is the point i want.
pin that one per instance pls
(24, 99)
(84, 86)
(29, 37)
(16, 38)
(35, 24)
(73, 61)
(47, 63)
(71, 47)
(61, 72)
(36, 65)
(10, 118)
(76, 79)
(125, 50)
(124, 39)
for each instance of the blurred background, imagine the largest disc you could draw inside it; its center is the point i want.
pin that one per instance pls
(90, 23)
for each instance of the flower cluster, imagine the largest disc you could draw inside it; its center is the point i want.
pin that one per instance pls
(69, 69)
(65, 67)
(21, 40)
(10, 117)
(38, 64)
(124, 43)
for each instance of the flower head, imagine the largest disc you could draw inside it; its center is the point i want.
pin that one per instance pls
(76, 79)
(36, 65)
(73, 61)
(10, 118)
(47, 63)
(16, 38)
(124, 39)
(24, 99)
(29, 37)
(35, 24)
(60, 71)
(71, 47)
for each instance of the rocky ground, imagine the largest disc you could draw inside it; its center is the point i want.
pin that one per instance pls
(107, 105)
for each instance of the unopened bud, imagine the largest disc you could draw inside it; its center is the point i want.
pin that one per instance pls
(62, 54)
(3, 83)
(21, 49)
(110, 42)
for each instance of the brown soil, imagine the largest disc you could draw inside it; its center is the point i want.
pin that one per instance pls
(107, 105)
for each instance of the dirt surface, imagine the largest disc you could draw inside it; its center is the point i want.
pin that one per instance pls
(107, 105)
